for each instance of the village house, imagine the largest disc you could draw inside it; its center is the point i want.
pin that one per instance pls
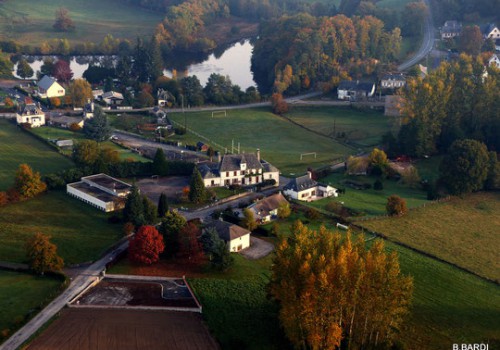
(490, 30)
(32, 114)
(236, 237)
(65, 122)
(304, 188)
(101, 191)
(48, 87)
(112, 98)
(355, 90)
(266, 209)
(243, 169)
(494, 61)
(393, 81)
(451, 29)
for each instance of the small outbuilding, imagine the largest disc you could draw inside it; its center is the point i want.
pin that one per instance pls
(266, 209)
(304, 188)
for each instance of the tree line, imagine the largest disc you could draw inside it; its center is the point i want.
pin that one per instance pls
(297, 52)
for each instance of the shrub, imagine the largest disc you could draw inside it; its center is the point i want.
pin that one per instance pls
(4, 198)
(334, 207)
(75, 127)
(378, 185)
(128, 228)
(312, 214)
(396, 206)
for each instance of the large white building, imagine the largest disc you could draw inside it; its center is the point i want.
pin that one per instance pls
(244, 169)
(48, 87)
(31, 113)
(101, 191)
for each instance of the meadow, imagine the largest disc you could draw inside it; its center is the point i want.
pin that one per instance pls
(16, 146)
(80, 231)
(30, 22)
(280, 141)
(52, 133)
(362, 128)
(21, 296)
(463, 231)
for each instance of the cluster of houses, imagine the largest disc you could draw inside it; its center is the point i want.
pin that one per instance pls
(453, 29)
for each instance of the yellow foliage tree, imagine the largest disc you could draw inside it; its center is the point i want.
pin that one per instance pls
(28, 182)
(42, 254)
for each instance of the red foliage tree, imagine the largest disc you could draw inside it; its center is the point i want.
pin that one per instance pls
(62, 71)
(190, 247)
(145, 247)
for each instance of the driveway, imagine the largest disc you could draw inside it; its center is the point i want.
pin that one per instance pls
(258, 249)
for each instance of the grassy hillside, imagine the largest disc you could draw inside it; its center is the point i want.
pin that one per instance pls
(463, 231)
(30, 22)
(18, 147)
(80, 231)
(280, 141)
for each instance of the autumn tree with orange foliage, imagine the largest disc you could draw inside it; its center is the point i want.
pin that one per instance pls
(332, 290)
(28, 183)
(190, 247)
(42, 254)
(145, 247)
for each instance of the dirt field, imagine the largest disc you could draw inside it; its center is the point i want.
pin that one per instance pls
(171, 186)
(117, 292)
(98, 329)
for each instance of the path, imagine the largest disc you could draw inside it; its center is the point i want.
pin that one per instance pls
(78, 284)
(427, 41)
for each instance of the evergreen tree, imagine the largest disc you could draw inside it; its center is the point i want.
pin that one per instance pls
(97, 128)
(160, 165)
(197, 191)
(162, 205)
(149, 211)
(134, 208)
(216, 249)
(171, 225)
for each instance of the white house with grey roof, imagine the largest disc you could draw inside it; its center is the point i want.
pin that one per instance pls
(304, 188)
(32, 114)
(245, 169)
(355, 90)
(48, 87)
(236, 237)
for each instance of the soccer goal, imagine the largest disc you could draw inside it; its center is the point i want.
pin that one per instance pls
(302, 155)
(215, 113)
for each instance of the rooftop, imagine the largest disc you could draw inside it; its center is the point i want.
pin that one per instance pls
(228, 231)
(301, 183)
(231, 162)
(107, 181)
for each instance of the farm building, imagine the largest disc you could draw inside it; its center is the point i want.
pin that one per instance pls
(48, 87)
(244, 169)
(65, 122)
(31, 113)
(354, 90)
(112, 98)
(101, 191)
(451, 29)
(236, 237)
(267, 209)
(393, 81)
(304, 188)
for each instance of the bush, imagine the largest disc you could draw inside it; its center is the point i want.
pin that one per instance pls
(312, 214)
(396, 206)
(334, 207)
(378, 185)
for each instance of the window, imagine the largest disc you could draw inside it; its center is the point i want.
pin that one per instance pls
(313, 193)
(270, 176)
(227, 173)
(243, 172)
(235, 173)
(249, 180)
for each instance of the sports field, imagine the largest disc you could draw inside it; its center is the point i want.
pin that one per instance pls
(280, 141)
(30, 22)
(362, 129)
(18, 147)
(463, 231)
(80, 231)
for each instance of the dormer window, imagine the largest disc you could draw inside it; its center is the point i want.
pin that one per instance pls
(243, 166)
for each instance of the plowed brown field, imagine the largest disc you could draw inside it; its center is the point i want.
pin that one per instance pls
(98, 329)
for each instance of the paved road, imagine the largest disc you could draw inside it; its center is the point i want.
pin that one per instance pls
(78, 284)
(427, 42)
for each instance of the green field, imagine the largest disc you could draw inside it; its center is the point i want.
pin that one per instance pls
(370, 202)
(48, 132)
(363, 129)
(80, 231)
(30, 22)
(280, 141)
(17, 147)
(463, 231)
(21, 296)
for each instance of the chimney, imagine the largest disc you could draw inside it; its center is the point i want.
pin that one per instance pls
(258, 154)
(309, 174)
(219, 157)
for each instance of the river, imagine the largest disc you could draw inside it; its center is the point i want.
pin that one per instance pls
(233, 61)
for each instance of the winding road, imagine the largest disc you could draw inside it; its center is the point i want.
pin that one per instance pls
(427, 41)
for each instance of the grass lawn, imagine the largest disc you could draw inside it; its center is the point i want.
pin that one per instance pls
(93, 20)
(429, 168)
(280, 141)
(363, 129)
(22, 295)
(56, 133)
(16, 147)
(463, 231)
(370, 201)
(80, 231)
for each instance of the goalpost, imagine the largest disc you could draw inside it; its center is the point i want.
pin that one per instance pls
(219, 112)
(308, 154)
